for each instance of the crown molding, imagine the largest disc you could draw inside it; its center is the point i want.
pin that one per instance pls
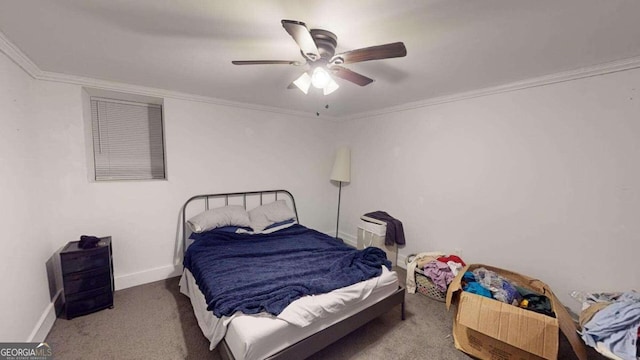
(23, 61)
(162, 93)
(17, 56)
(596, 70)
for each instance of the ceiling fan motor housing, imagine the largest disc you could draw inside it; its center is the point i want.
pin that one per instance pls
(326, 42)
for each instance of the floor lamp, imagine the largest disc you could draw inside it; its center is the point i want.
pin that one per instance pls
(341, 173)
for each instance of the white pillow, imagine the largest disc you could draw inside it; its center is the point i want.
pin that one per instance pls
(267, 230)
(232, 215)
(267, 214)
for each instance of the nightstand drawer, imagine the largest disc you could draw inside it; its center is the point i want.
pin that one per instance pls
(87, 280)
(87, 294)
(80, 262)
(88, 302)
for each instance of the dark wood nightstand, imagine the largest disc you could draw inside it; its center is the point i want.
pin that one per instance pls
(87, 277)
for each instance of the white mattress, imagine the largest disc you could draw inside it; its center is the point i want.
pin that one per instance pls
(253, 337)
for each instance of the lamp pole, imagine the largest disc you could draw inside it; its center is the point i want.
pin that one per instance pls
(341, 172)
(338, 217)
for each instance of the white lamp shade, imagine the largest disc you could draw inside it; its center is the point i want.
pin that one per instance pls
(331, 87)
(319, 79)
(342, 165)
(303, 82)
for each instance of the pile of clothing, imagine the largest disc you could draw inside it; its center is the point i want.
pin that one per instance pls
(442, 270)
(489, 284)
(610, 323)
(438, 267)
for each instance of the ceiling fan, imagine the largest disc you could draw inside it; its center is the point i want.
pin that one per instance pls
(318, 48)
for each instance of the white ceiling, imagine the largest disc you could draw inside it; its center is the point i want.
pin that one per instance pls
(453, 46)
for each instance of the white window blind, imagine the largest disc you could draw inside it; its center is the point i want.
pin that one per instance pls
(128, 140)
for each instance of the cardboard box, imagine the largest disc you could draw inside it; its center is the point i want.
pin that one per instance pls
(489, 329)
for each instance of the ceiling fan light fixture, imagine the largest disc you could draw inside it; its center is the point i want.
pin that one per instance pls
(318, 48)
(303, 82)
(320, 78)
(331, 87)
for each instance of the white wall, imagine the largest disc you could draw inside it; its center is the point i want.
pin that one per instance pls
(209, 149)
(49, 200)
(25, 244)
(543, 181)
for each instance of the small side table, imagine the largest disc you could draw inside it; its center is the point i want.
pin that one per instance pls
(87, 277)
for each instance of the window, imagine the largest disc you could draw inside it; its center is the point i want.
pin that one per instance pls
(128, 142)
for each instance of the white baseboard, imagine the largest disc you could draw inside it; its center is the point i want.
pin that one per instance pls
(45, 323)
(349, 239)
(402, 261)
(147, 276)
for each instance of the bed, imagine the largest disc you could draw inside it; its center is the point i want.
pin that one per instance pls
(282, 326)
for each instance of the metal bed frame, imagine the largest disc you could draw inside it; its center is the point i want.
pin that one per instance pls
(226, 196)
(318, 341)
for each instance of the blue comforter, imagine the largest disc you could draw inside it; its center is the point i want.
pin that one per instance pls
(255, 273)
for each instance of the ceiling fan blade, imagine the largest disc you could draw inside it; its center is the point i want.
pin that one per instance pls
(300, 33)
(385, 51)
(349, 75)
(266, 62)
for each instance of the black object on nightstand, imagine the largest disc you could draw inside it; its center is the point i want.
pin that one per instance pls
(87, 277)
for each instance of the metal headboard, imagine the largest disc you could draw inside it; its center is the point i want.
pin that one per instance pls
(226, 196)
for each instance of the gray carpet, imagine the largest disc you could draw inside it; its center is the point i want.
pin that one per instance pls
(155, 321)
